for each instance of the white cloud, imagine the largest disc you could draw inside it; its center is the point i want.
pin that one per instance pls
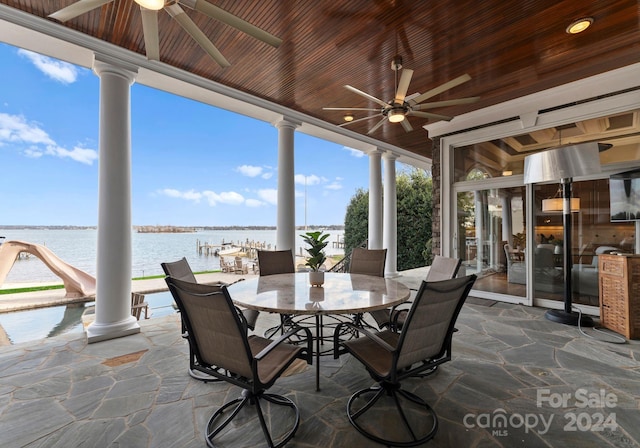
(249, 170)
(33, 153)
(188, 195)
(82, 155)
(267, 176)
(57, 70)
(334, 186)
(226, 197)
(213, 198)
(354, 152)
(17, 131)
(269, 195)
(308, 180)
(254, 203)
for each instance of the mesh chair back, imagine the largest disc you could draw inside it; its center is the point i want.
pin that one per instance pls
(273, 262)
(443, 268)
(427, 330)
(368, 261)
(179, 269)
(215, 330)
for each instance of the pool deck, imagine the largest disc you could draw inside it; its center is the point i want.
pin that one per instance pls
(510, 366)
(56, 297)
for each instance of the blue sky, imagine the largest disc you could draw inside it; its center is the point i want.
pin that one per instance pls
(192, 164)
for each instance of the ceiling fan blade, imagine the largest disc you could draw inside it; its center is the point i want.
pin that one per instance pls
(446, 86)
(185, 22)
(375, 128)
(359, 119)
(352, 108)
(403, 85)
(415, 113)
(76, 9)
(406, 125)
(150, 31)
(367, 96)
(225, 17)
(469, 100)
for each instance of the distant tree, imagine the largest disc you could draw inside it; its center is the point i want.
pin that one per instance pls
(415, 208)
(356, 220)
(414, 191)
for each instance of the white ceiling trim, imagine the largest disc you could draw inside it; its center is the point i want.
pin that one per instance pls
(527, 107)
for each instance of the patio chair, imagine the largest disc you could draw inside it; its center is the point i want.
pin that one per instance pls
(138, 306)
(442, 268)
(223, 350)
(225, 266)
(390, 357)
(181, 270)
(367, 262)
(272, 262)
(239, 267)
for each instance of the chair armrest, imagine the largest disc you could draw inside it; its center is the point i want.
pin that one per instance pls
(265, 351)
(375, 338)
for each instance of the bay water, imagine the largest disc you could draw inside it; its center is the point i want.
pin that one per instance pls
(78, 248)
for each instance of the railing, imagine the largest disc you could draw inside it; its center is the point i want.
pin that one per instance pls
(343, 265)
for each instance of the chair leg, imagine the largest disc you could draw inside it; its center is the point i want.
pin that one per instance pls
(214, 428)
(408, 433)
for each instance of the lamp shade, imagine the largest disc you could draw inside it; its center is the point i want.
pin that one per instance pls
(564, 162)
(556, 205)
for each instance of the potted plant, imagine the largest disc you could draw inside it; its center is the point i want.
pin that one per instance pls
(317, 242)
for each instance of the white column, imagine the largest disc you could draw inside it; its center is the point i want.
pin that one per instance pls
(113, 281)
(286, 219)
(375, 199)
(390, 215)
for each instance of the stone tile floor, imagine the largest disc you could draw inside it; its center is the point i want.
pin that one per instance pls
(516, 380)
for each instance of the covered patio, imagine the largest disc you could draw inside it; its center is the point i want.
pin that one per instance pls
(516, 379)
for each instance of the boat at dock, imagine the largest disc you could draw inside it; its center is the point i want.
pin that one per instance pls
(228, 249)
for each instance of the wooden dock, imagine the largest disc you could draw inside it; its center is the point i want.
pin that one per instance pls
(247, 249)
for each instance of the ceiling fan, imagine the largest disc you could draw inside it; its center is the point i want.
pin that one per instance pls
(149, 10)
(402, 106)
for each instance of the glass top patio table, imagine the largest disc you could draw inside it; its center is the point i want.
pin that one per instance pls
(340, 294)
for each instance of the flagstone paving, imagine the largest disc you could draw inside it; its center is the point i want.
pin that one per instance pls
(516, 380)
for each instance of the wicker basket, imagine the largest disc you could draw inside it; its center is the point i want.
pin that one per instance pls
(619, 281)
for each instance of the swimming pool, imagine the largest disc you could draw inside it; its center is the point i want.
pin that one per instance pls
(41, 323)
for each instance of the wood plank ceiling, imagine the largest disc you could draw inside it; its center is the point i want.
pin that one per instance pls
(510, 49)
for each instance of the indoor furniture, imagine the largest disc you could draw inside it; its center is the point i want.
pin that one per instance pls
(620, 293)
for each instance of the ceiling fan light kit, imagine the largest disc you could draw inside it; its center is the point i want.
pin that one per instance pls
(154, 5)
(396, 115)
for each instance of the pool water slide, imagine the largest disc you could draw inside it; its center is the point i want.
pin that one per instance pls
(77, 283)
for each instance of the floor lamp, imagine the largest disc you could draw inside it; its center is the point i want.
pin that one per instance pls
(563, 164)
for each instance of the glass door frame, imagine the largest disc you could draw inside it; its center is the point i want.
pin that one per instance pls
(526, 122)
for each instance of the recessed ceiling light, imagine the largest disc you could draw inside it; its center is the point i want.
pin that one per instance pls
(348, 117)
(578, 26)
